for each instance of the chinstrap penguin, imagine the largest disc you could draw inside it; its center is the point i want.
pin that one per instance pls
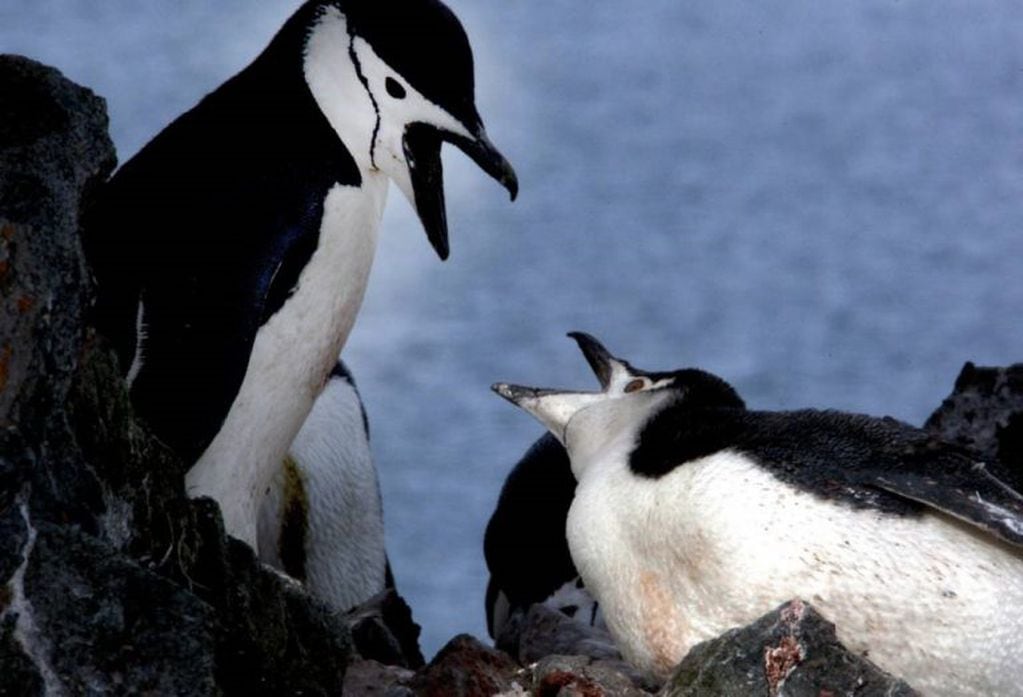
(321, 520)
(232, 252)
(529, 521)
(525, 546)
(693, 515)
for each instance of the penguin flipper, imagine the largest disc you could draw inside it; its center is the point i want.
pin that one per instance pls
(885, 464)
(971, 494)
(193, 361)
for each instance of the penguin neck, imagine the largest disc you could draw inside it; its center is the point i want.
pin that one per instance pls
(331, 71)
(603, 436)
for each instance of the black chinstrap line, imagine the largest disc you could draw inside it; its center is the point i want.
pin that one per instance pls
(369, 92)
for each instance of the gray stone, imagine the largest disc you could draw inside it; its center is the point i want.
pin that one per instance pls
(53, 150)
(985, 413)
(383, 630)
(102, 624)
(369, 678)
(547, 632)
(792, 647)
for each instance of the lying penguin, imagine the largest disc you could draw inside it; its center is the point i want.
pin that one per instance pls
(693, 515)
(529, 521)
(321, 521)
(233, 251)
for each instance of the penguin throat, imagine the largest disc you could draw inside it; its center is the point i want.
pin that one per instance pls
(339, 87)
(369, 93)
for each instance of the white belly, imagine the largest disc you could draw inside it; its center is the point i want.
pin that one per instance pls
(720, 542)
(345, 560)
(291, 358)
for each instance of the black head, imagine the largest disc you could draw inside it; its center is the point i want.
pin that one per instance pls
(425, 44)
(396, 79)
(624, 388)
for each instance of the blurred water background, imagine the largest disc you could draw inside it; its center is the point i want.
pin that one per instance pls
(819, 200)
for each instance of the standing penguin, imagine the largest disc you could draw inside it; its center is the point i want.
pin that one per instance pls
(321, 521)
(233, 251)
(693, 515)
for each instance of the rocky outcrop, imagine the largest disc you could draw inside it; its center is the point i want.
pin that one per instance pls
(111, 580)
(545, 632)
(791, 651)
(985, 413)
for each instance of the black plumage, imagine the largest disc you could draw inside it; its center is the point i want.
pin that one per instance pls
(857, 460)
(525, 545)
(209, 225)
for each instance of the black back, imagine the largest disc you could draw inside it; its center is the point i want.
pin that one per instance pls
(211, 223)
(857, 460)
(525, 544)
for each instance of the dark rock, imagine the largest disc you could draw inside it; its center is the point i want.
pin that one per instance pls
(99, 619)
(368, 678)
(792, 647)
(54, 149)
(985, 413)
(465, 668)
(547, 632)
(111, 580)
(572, 676)
(383, 630)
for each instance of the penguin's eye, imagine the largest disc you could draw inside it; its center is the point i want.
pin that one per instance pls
(394, 88)
(635, 386)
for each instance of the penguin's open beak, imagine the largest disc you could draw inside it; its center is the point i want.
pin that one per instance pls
(553, 408)
(612, 372)
(422, 144)
(600, 359)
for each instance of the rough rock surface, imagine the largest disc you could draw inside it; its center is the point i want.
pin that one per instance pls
(578, 676)
(792, 648)
(383, 631)
(547, 632)
(985, 413)
(111, 580)
(465, 668)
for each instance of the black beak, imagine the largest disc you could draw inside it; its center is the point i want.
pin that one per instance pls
(422, 145)
(600, 359)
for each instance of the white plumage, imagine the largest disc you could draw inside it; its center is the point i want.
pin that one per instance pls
(321, 520)
(693, 515)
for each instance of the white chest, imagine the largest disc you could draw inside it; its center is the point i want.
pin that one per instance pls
(719, 542)
(291, 358)
(344, 552)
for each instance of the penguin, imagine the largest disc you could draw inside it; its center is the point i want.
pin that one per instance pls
(232, 252)
(321, 519)
(693, 515)
(524, 545)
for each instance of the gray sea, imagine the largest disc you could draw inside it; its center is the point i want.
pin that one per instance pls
(819, 200)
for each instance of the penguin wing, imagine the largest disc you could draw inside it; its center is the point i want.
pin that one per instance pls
(190, 261)
(968, 492)
(192, 360)
(886, 464)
